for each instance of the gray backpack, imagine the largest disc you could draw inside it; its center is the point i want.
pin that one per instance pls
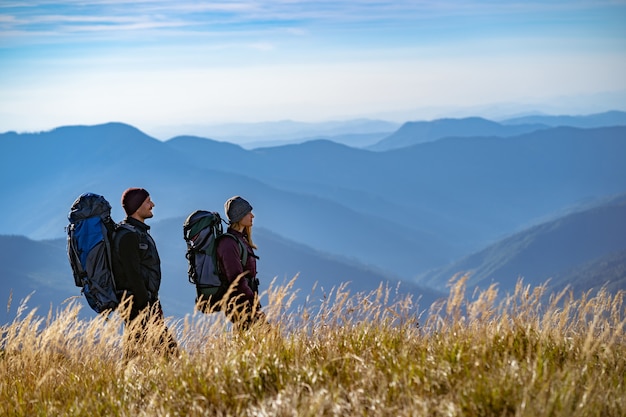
(202, 231)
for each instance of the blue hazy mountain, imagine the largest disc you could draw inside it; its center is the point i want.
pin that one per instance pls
(608, 271)
(353, 132)
(464, 192)
(610, 118)
(354, 140)
(585, 249)
(107, 162)
(403, 211)
(38, 269)
(413, 133)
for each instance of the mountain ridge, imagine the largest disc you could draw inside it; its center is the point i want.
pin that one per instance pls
(413, 133)
(581, 238)
(609, 118)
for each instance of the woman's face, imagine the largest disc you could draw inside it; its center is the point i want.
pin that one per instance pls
(246, 221)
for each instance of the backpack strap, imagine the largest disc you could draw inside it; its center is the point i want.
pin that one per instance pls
(108, 230)
(243, 251)
(72, 250)
(123, 228)
(243, 257)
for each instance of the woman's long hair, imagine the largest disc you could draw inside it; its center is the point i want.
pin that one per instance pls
(247, 232)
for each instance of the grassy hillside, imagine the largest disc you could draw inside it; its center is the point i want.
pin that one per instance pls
(355, 356)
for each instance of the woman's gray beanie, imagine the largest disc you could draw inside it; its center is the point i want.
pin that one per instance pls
(236, 208)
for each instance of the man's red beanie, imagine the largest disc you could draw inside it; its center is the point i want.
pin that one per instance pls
(132, 199)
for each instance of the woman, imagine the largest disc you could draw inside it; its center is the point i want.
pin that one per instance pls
(243, 306)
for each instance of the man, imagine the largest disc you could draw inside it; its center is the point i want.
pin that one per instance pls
(137, 268)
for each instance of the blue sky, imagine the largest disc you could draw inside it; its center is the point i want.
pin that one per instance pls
(180, 63)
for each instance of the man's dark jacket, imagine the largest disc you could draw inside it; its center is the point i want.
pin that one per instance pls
(136, 263)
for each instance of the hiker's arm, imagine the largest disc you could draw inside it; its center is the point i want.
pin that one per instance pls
(130, 259)
(228, 253)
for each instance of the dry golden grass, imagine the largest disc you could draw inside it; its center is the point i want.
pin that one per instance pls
(361, 355)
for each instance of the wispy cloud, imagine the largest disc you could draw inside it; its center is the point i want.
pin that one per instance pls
(42, 16)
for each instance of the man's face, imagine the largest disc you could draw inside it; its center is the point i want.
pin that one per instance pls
(145, 210)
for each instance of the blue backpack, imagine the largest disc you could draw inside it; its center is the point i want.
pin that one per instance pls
(89, 236)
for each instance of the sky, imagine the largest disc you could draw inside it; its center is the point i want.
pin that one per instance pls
(174, 64)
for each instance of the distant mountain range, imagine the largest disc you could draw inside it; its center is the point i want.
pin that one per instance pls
(373, 215)
(358, 132)
(610, 118)
(413, 133)
(383, 135)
